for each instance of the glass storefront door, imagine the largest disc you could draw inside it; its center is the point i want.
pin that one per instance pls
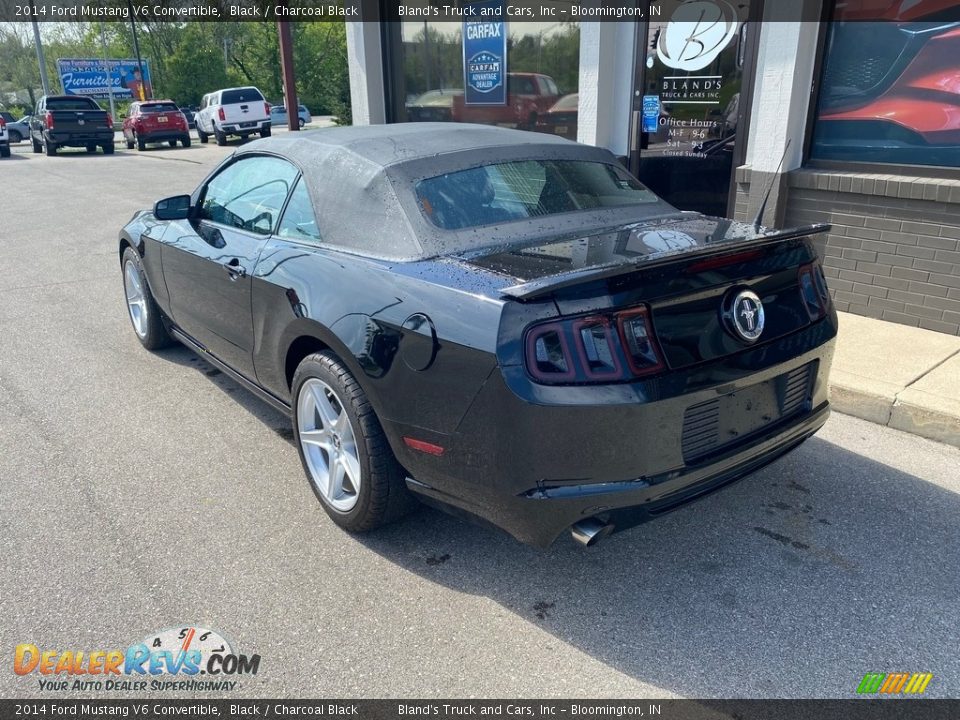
(690, 101)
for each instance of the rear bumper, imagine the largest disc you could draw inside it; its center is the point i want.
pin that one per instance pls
(165, 135)
(78, 139)
(535, 469)
(244, 127)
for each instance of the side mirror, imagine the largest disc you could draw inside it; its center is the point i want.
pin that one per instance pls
(172, 208)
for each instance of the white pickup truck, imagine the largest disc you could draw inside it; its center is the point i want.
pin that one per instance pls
(233, 111)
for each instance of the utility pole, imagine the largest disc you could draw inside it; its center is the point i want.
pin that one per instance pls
(106, 69)
(289, 76)
(136, 49)
(40, 60)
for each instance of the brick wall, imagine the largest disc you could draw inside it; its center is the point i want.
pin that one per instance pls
(894, 251)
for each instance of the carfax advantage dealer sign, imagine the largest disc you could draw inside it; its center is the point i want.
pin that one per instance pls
(485, 54)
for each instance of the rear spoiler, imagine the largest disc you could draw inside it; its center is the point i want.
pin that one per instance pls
(544, 286)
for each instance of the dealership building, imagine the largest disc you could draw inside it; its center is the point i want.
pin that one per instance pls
(838, 111)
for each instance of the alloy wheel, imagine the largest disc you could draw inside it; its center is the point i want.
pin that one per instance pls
(133, 286)
(329, 445)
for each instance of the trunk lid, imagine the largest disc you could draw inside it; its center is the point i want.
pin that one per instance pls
(685, 269)
(159, 118)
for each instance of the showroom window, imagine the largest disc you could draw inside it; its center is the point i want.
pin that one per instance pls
(890, 85)
(527, 78)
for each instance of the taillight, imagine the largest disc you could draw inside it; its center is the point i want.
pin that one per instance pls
(548, 355)
(611, 347)
(49, 120)
(3, 123)
(222, 114)
(813, 290)
(110, 121)
(266, 108)
(636, 331)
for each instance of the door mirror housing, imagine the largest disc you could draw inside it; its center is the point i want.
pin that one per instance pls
(172, 208)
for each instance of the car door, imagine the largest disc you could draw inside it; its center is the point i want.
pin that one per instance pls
(208, 259)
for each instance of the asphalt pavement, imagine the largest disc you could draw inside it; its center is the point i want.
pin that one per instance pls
(144, 491)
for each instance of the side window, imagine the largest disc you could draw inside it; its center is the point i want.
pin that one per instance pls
(299, 221)
(248, 194)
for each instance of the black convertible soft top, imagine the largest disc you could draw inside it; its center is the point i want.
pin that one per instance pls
(362, 183)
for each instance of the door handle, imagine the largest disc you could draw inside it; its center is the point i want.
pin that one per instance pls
(235, 269)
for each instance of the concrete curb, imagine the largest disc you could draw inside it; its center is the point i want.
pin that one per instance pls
(901, 412)
(903, 377)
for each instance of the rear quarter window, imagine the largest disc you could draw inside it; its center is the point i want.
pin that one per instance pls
(243, 95)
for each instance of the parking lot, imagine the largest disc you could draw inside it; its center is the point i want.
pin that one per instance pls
(148, 491)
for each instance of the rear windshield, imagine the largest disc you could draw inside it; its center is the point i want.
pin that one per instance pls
(80, 103)
(241, 95)
(159, 107)
(508, 191)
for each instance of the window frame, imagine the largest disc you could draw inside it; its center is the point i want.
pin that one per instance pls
(310, 242)
(941, 172)
(202, 192)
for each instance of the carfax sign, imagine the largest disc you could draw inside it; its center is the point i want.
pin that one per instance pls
(485, 55)
(90, 77)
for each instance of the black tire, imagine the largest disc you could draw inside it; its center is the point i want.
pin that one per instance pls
(202, 135)
(156, 336)
(4, 151)
(108, 148)
(15, 136)
(141, 143)
(91, 147)
(129, 144)
(265, 132)
(37, 147)
(172, 143)
(185, 141)
(383, 496)
(221, 137)
(51, 148)
(301, 123)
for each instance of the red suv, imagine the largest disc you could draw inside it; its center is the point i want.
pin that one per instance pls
(529, 95)
(155, 121)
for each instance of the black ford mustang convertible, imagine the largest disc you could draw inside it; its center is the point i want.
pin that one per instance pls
(497, 322)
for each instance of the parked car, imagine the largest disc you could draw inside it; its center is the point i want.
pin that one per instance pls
(278, 115)
(17, 130)
(537, 340)
(233, 111)
(155, 121)
(70, 121)
(561, 118)
(4, 139)
(528, 96)
(433, 105)
(189, 113)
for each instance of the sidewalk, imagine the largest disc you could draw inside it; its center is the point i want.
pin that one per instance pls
(899, 376)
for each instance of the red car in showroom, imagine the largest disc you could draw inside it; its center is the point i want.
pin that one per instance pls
(155, 121)
(891, 85)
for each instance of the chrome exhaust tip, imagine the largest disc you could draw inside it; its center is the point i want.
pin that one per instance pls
(590, 532)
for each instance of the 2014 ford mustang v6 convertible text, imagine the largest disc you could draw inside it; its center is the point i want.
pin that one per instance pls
(498, 322)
